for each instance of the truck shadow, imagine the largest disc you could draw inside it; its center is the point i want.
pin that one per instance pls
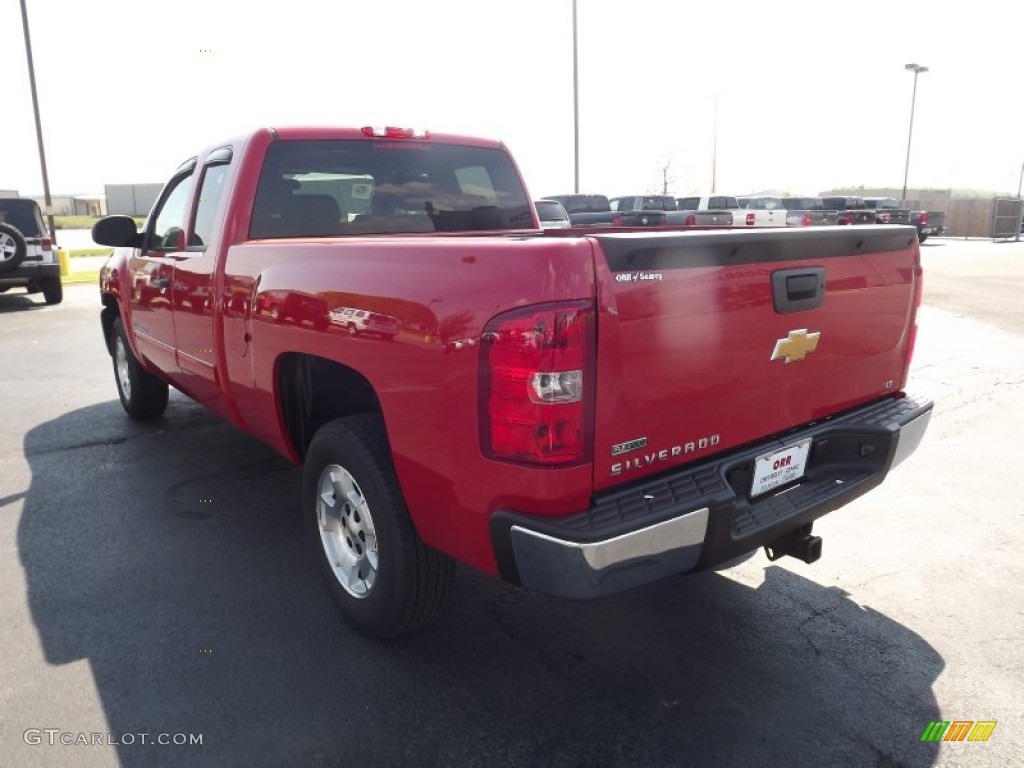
(171, 557)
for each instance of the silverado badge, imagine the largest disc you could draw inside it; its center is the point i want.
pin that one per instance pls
(796, 346)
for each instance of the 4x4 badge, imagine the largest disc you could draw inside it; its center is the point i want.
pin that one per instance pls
(796, 346)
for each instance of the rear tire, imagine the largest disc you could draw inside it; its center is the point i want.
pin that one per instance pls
(379, 573)
(922, 238)
(143, 395)
(53, 290)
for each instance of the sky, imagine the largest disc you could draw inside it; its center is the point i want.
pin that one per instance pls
(810, 95)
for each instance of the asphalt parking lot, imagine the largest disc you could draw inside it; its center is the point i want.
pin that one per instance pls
(156, 582)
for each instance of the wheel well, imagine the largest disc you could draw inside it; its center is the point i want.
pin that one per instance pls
(312, 391)
(108, 315)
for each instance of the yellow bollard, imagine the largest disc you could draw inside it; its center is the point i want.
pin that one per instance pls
(65, 265)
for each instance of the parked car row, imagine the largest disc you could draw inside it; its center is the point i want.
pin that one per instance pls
(715, 210)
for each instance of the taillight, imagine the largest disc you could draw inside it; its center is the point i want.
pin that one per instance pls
(848, 218)
(924, 218)
(47, 244)
(390, 132)
(912, 335)
(617, 222)
(806, 221)
(535, 382)
(691, 220)
(751, 218)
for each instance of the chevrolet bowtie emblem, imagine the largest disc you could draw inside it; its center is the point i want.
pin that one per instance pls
(796, 346)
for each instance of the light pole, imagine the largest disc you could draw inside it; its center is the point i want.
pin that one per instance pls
(714, 149)
(1019, 185)
(39, 127)
(575, 106)
(917, 69)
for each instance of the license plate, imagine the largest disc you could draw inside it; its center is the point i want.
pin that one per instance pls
(778, 468)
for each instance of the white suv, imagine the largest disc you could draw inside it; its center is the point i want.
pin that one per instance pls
(26, 252)
(362, 321)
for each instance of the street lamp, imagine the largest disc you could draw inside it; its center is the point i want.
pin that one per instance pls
(917, 69)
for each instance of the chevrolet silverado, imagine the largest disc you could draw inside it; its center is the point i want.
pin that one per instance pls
(575, 412)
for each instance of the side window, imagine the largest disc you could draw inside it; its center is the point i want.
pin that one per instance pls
(208, 204)
(689, 203)
(170, 216)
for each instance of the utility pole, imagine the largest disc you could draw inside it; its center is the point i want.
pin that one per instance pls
(575, 104)
(1019, 204)
(714, 150)
(39, 127)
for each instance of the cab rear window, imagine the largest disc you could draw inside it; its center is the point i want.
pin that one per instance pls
(337, 188)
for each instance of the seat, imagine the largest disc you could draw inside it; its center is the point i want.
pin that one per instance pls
(281, 211)
(314, 215)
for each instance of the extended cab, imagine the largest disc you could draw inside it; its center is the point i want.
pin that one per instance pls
(808, 212)
(598, 210)
(888, 210)
(578, 413)
(849, 210)
(768, 211)
(714, 210)
(586, 210)
(27, 258)
(928, 223)
(648, 211)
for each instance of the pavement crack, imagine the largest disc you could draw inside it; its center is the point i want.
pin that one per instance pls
(76, 446)
(816, 613)
(877, 577)
(882, 758)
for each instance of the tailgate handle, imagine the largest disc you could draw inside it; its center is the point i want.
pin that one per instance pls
(798, 290)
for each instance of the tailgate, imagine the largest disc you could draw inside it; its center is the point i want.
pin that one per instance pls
(711, 340)
(715, 218)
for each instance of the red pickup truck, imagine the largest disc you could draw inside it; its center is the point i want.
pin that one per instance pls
(578, 413)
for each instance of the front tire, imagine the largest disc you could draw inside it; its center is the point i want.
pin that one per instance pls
(53, 290)
(143, 395)
(379, 573)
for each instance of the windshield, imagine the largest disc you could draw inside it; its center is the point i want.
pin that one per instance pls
(549, 210)
(761, 203)
(802, 203)
(323, 188)
(584, 203)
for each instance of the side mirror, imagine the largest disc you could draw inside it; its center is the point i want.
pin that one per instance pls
(116, 231)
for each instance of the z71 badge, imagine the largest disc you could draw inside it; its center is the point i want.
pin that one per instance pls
(620, 448)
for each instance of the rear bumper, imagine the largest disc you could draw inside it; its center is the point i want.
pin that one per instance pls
(937, 231)
(28, 273)
(701, 515)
